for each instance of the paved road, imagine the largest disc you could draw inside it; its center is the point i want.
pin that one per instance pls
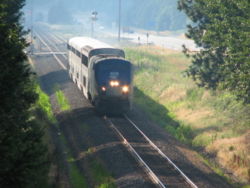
(170, 42)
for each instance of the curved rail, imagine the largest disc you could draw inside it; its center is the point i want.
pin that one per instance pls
(162, 154)
(151, 174)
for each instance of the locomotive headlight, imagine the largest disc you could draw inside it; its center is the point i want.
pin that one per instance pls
(114, 83)
(103, 88)
(125, 89)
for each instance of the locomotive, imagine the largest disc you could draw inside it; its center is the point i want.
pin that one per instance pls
(102, 73)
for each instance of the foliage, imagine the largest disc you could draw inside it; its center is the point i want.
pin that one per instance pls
(146, 95)
(221, 29)
(44, 104)
(146, 14)
(154, 15)
(204, 119)
(62, 100)
(76, 177)
(22, 152)
(101, 175)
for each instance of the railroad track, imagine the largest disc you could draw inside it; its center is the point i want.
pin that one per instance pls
(159, 168)
(58, 52)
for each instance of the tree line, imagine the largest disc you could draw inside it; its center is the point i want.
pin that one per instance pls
(148, 14)
(23, 155)
(222, 30)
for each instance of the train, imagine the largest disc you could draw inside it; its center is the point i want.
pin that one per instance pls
(102, 73)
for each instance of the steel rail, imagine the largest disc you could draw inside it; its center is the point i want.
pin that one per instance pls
(57, 40)
(52, 44)
(150, 173)
(162, 154)
(54, 55)
(60, 38)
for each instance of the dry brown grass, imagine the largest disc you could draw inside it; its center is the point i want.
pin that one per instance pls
(173, 94)
(179, 63)
(194, 116)
(233, 154)
(175, 58)
(157, 50)
(212, 116)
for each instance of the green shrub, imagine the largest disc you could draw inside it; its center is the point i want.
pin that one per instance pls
(62, 100)
(44, 104)
(101, 175)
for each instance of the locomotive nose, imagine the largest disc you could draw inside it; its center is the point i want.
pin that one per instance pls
(114, 83)
(115, 88)
(125, 89)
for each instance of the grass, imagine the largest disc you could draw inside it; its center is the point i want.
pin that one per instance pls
(211, 120)
(214, 167)
(43, 115)
(44, 104)
(61, 99)
(246, 186)
(101, 175)
(77, 179)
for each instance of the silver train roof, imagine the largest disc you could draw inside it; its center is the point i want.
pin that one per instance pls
(90, 46)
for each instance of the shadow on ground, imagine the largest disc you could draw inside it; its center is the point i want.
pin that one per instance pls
(151, 110)
(50, 80)
(82, 129)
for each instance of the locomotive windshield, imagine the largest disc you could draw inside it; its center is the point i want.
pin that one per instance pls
(113, 69)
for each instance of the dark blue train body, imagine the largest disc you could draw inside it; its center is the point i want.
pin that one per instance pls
(102, 73)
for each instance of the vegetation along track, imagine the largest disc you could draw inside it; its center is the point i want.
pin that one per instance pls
(125, 169)
(161, 170)
(156, 164)
(202, 178)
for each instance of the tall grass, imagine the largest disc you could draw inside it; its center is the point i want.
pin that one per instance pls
(76, 177)
(43, 115)
(61, 99)
(44, 104)
(202, 118)
(101, 176)
(77, 180)
(160, 76)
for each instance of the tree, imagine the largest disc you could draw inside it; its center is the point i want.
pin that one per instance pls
(222, 29)
(22, 152)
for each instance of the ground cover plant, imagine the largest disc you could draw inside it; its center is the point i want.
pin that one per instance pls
(213, 122)
(77, 178)
(62, 100)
